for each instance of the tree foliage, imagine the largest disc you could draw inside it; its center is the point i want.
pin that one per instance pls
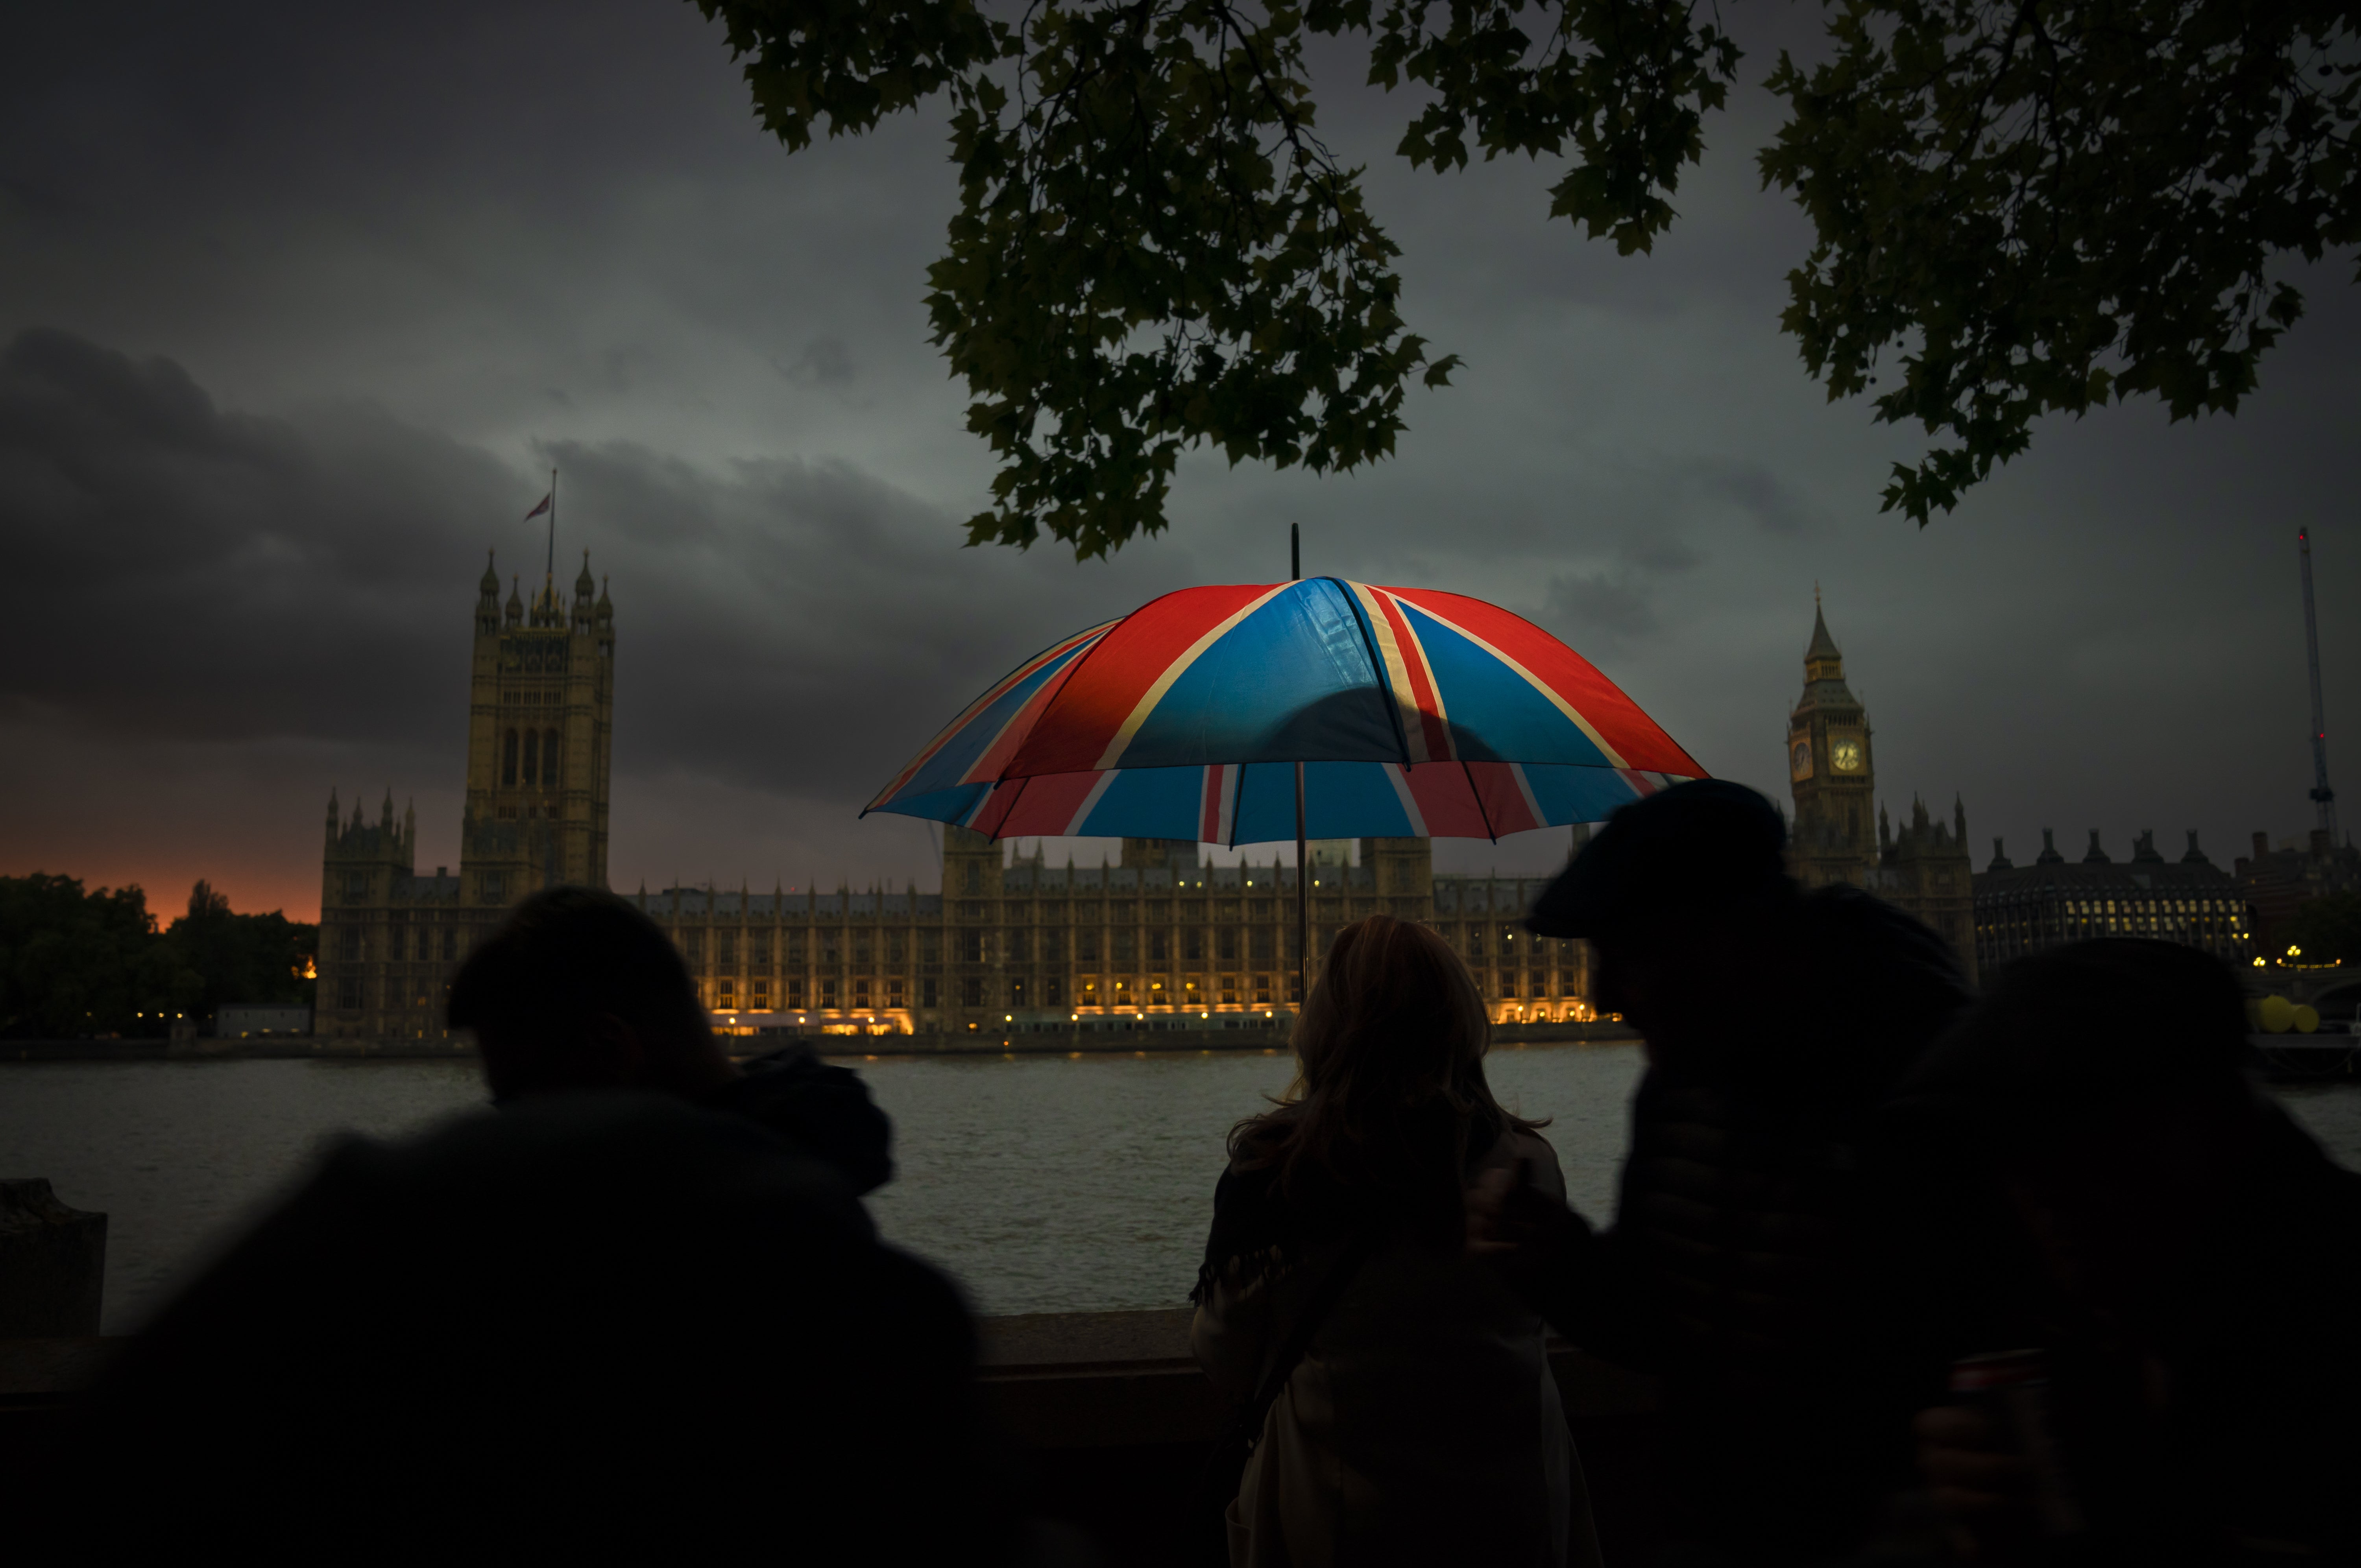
(2030, 208)
(2328, 929)
(77, 964)
(2042, 204)
(242, 957)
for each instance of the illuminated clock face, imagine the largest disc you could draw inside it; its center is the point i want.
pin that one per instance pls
(1846, 754)
(1799, 760)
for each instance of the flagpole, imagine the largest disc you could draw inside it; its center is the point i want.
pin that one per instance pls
(552, 530)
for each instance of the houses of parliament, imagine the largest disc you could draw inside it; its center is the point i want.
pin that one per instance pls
(1005, 941)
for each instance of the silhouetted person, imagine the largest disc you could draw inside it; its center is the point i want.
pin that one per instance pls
(1743, 1259)
(2195, 1268)
(1422, 1425)
(592, 1325)
(579, 989)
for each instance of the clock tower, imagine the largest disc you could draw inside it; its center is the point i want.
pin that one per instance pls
(1830, 772)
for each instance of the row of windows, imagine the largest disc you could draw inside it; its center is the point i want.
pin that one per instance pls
(2215, 926)
(400, 993)
(422, 944)
(1160, 912)
(1400, 881)
(540, 754)
(1051, 990)
(2037, 905)
(725, 957)
(726, 944)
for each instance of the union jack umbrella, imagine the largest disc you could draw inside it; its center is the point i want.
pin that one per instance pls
(1317, 708)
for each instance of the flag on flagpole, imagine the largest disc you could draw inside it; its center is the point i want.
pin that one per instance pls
(542, 508)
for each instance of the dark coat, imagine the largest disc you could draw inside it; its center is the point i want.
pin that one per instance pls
(823, 1109)
(1743, 1265)
(595, 1326)
(2254, 1452)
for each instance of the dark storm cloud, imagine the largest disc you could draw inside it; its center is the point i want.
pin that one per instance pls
(196, 573)
(1595, 601)
(804, 626)
(184, 571)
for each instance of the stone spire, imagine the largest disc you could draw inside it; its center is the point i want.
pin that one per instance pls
(583, 587)
(1823, 645)
(2097, 857)
(2049, 855)
(488, 599)
(1823, 661)
(516, 602)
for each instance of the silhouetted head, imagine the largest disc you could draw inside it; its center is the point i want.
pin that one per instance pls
(579, 989)
(1677, 892)
(2103, 1080)
(1390, 1101)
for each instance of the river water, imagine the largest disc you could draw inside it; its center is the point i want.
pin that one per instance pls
(1043, 1183)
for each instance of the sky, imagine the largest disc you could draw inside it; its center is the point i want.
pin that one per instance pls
(298, 306)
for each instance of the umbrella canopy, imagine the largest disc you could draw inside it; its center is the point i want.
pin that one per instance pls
(1414, 713)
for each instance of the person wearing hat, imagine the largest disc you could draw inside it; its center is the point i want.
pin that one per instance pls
(2188, 1264)
(1740, 1267)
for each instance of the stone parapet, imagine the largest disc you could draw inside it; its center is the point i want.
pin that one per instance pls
(52, 1263)
(1114, 1415)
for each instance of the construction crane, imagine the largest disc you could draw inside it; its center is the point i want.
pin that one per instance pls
(2323, 798)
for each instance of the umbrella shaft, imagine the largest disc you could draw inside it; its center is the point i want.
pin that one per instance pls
(1302, 901)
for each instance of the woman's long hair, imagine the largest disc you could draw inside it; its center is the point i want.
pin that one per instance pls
(1389, 1107)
